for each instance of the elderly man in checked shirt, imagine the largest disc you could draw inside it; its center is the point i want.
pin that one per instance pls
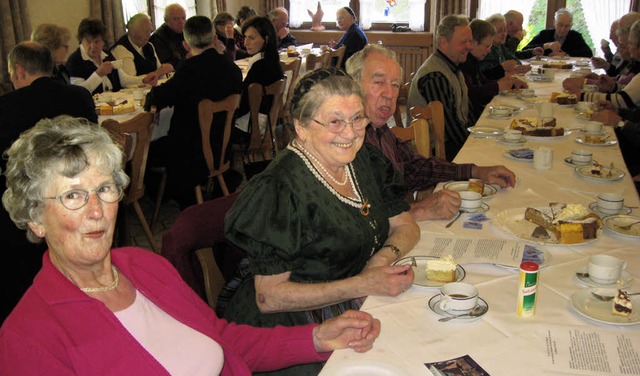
(380, 76)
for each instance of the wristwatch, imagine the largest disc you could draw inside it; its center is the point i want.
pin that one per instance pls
(394, 249)
(621, 124)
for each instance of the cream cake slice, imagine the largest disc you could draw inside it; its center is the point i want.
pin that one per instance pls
(621, 304)
(442, 269)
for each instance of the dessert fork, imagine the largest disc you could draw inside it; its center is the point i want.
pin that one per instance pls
(627, 227)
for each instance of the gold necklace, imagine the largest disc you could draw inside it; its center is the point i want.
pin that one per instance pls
(112, 286)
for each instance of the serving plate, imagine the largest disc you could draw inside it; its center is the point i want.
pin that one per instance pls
(544, 138)
(459, 186)
(420, 275)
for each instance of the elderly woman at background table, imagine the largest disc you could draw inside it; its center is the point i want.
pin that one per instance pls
(353, 39)
(482, 89)
(56, 39)
(500, 61)
(97, 311)
(322, 224)
(243, 15)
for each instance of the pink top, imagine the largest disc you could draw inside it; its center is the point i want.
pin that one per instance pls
(180, 349)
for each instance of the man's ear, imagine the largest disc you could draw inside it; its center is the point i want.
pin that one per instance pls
(19, 71)
(186, 45)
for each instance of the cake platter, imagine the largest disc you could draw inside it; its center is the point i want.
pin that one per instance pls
(459, 186)
(595, 309)
(420, 278)
(512, 222)
(613, 223)
(606, 173)
(544, 138)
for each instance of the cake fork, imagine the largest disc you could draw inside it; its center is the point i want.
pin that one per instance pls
(627, 227)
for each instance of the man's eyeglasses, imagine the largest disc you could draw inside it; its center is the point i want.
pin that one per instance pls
(77, 198)
(336, 126)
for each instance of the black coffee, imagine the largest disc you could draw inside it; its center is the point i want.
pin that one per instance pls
(459, 296)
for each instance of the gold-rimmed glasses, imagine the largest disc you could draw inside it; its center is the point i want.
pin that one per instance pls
(336, 126)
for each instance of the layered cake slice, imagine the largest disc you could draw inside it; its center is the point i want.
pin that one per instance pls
(570, 224)
(442, 269)
(530, 126)
(621, 304)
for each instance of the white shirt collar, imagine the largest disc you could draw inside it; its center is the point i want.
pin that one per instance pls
(86, 56)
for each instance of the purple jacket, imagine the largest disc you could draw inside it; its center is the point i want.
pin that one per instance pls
(58, 330)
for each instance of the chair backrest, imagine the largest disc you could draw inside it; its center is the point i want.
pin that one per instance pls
(206, 110)
(403, 94)
(418, 133)
(316, 61)
(139, 131)
(264, 143)
(338, 55)
(434, 113)
(291, 69)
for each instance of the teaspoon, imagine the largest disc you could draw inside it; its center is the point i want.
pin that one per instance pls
(476, 312)
(454, 219)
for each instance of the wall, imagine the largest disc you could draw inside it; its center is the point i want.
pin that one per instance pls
(66, 13)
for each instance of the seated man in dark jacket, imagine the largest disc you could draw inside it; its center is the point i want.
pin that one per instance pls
(561, 39)
(168, 38)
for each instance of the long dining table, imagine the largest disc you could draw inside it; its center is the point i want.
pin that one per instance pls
(558, 339)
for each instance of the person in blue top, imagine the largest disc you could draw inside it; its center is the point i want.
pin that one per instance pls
(354, 38)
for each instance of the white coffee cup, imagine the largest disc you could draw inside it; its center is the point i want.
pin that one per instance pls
(458, 296)
(610, 203)
(501, 111)
(593, 127)
(546, 109)
(581, 157)
(512, 134)
(605, 269)
(584, 106)
(116, 64)
(470, 200)
(542, 158)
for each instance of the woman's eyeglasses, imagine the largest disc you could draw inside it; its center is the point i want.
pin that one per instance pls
(77, 198)
(336, 126)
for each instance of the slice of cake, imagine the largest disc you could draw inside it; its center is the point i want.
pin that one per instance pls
(442, 269)
(571, 224)
(621, 304)
(530, 126)
(567, 99)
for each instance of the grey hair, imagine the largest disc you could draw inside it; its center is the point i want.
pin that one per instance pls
(448, 24)
(51, 36)
(355, 64)
(481, 29)
(634, 33)
(198, 32)
(496, 18)
(625, 22)
(64, 146)
(273, 14)
(170, 7)
(511, 15)
(562, 11)
(136, 19)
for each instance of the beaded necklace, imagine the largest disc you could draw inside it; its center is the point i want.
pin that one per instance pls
(112, 286)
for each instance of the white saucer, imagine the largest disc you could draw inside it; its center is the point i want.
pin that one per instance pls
(593, 207)
(570, 162)
(435, 307)
(591, 307)
(483, 208)
(625, 278)
(519, 141)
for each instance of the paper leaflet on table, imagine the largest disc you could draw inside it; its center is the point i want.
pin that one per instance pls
(464, 365)
(478, 250)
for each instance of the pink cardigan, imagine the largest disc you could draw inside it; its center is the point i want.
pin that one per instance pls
(58, 330)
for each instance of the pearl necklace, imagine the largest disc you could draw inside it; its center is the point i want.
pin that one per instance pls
(326, 172)
(113, 286)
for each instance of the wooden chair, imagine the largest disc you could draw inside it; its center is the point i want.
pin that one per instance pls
(335, 58)
(292, 66)
(264, 144)
(142, 126)
(434, 113)
(418, 133)
(403, 95)
(317, 61)
(206, 110)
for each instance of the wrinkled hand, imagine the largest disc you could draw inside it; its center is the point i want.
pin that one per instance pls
(607, 117)
(509, 65)
(605, 105)
(599, 62)
(519, 84)
(573, 84)
(553, 46)
(443, 204)
(150, 79)
(104, 69)
(356, 330)
(282, 33)
(499, 175)
(538, 51)
(505, 83)
(606, 84)
(164, 69)
(385, 280)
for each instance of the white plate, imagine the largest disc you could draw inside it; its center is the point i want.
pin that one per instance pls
(569, 161)
(513, 223)
(519, 141)
(580, 140)
(625, 279)
(544, 138)
(591, 307)
(420, 273)
(513, 109)
(435, 307)
(459, 186)
(593, 207)
(507, 155)
(585, 172)
(622, 220)
(482, 131)
(364, 368)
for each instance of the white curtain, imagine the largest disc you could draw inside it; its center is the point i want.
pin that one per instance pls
(416, 14)
(298, 13)
(366, 6)
(488, 7)
(133, 7)
(599, 15)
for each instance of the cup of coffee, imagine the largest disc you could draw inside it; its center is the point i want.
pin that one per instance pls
(470, 200)
(458, 296)
(581, 157)
(610, 203)
(512, 134)
(605, 269)
(116, 64)
(550, 73)
(542, 158)
(593, 126)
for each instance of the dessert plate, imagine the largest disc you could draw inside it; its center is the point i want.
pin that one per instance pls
(483, 131)
(591, 307)
(580, 139)
(570, 162)
(606, 173)
(593, 207)
(512, 222)
(519, 141)
(364, 368)
(611, 223)
(513, 109)
(420, 278)
(435, 307)
(459, 186)
(625, 280)
(507, 154)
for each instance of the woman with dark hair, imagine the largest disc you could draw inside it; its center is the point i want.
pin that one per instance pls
(243, 15)
(261, 42)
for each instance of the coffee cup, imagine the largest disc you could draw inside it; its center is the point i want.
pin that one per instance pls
(593, 127)
(581, 157)
(528, 93)
(512, 134)
(458, 296)
(542, 158)
(610, 203)
(605, 269)
(501, 111)
(470, 200)
(584, 106)
(116, 64)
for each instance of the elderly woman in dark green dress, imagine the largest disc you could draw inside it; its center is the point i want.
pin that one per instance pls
(325, 221)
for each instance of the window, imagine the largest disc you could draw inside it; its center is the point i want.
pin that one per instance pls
(132, 7)
(390, 11)
(299, 14)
